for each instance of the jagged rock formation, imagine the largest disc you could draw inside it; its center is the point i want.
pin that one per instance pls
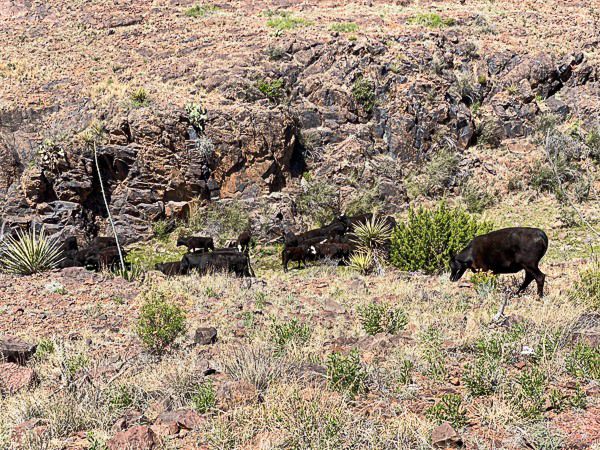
(345, 109)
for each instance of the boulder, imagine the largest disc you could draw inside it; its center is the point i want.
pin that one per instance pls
(232, 394)
(13, 349)
(444, 436)
(140, 437)
(172, 422)
(205, 336)
(14, 378)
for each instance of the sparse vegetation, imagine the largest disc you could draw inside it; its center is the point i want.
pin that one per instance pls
(290, 333)
(272, 89)
(377, 318)
(439, 175)
(160, 322)
(139, 98)
(363, 91)
(346, 373)
(344, 27)
(428, 238)
(449, 409)
(205, 398)
(284, 21)
(197, 11)
(319, 202)
(431, 20)
(224, 220)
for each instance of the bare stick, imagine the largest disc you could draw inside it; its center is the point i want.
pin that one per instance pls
(110, 219)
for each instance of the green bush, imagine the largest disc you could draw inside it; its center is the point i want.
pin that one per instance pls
(584, 362)
(528, 394)
(476, 198)
(121, 398)
(30, 252)
(363, 201)
(205, 398)
(483, 377)
(160, 321)
(588, 286)
(344, 27)
(376, 318)
(201, 10)
(319, 202)
(448, 409)
(273, 90)
(484, 283)
(284, 21)
(363, 91)
(345, 373)
(431, 340)
(428, 239)
(431, 20)
(438, 175)
(405, 372)
(292, 332)
(139, 98)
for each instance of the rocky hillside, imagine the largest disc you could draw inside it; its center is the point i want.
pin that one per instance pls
(245, 100)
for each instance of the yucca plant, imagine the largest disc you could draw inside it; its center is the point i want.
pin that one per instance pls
(30, 252)
(361, 261)
(370, 238)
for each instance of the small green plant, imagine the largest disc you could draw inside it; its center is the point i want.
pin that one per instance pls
(345, 373)
(377, 318)
(161, 229)
(587, 288)
(205, 398)
(344, 27)
(362, 261)
(55, 287)
(476, 198)
(139, 98)
(319, 202)
(272, 89)
(434, 357)
(75, 363)
(223, 219)
(428, 239)
(289, 333)
(437, 177)
(483, 377)
(448, 409)
(131, 273)
(197, 115)
(44, 348)
(540, 436)
(363, 91)
(285, 21)
(485, 283)
(197, 11)
(121, 398)
(528, 395)
(405, 372)
(584, 362)
(431, 20)
(160, 321)
(30, 252)
(579, 398)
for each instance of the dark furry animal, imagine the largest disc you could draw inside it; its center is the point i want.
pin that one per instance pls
(298, 254)
(196, 243)
(242, 243)
(352, 221)
(332, 250)
(221, 260)
(170, 268)
(508, 250)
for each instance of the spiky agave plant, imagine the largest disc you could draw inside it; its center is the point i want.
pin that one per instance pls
(30, 252)
(361, 261)
(370, 238)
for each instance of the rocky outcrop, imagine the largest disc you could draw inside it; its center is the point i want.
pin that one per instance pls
(350, 112)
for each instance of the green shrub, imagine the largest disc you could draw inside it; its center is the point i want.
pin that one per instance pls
(448, 409)
(363, 91)
(345, 373)
(483, 377)
(592, 141)
(437, 177)
(121, 398)
(476, 198)
(584, 362)
(201, 10)
(363, 201)
(140, 98)
(344, 27)
(284, 21)
(377, 318)
(528, 394)
(273, 90)
(292, 332)
(197, 115)
(144, 256)
(75, 363)
(431, 20)
(161, 229)
(484, 283)
(319, 202)
(160, 322)
(405, 372)
(45, 347)
(30, 252)
(433, 354)
(588, 286)
(428, 239)
(205, 398)
(541, 436)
